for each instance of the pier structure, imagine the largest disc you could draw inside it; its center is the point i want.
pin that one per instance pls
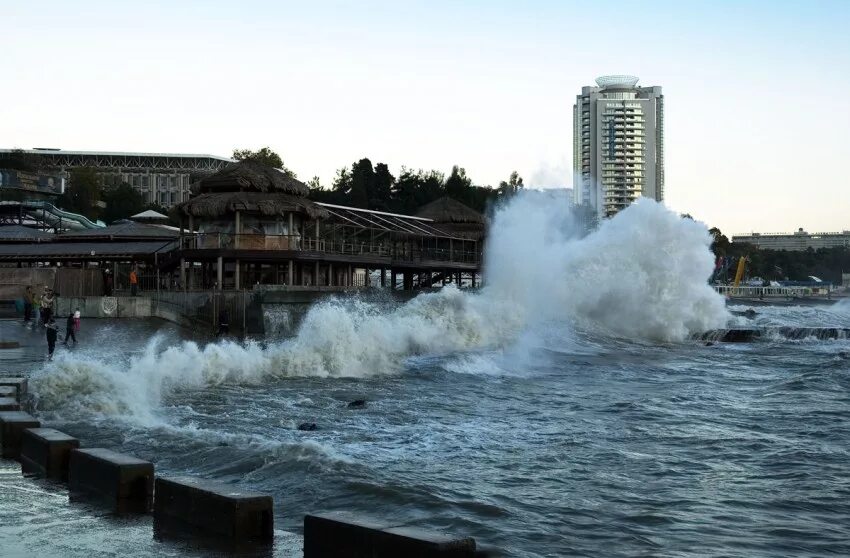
(250, 224)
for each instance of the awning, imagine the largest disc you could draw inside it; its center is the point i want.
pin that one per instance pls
(82, 250)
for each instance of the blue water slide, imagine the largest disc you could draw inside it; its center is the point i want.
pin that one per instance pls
(49, 213)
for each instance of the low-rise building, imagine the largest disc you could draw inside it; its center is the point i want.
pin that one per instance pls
(796, 241)
(161, 178)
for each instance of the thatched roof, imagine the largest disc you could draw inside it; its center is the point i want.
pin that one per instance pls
(211, 205)
(448, 210)
(251, 176)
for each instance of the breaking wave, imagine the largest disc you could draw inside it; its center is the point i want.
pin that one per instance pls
(641, 275)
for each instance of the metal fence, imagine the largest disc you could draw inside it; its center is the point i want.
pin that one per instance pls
(206, 309)
(397, 251)
(763, 292)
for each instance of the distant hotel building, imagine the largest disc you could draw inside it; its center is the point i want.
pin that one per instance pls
(798, 241)
(618, 144)
(162, 178)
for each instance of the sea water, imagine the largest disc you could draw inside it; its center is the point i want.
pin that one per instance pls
(562, 410)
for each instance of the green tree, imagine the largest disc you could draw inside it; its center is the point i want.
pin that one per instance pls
(361, 186)
(263, 155)
(719, 243)
(413, 189)
(459, 186)
(512, 186)
(83, 192)
(382, 188)
(122, 201)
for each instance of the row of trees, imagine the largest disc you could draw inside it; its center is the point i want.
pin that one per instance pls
(374, 187)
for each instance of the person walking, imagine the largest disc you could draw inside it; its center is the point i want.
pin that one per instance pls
(134, 282)
(70, 329)
(28, 296)
(51, 327)
(36, 310)
(47, 304)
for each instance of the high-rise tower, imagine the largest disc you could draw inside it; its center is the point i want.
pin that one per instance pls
(618, 144)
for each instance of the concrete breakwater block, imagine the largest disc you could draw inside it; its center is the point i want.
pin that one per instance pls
(9, 404)
(45, 452)
(9, 345)
(123, 482)
(346, 535)
(20, 385)
(12, 426)
(214, 508)
(8, 391)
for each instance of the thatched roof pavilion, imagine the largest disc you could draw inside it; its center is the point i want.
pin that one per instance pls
(250, 224)
(213, 205)
(249, 187)
(454, 217)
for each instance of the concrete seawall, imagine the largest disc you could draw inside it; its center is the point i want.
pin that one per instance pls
(267, 312)
(105, 306)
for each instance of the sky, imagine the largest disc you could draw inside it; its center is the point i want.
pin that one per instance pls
(757, 118)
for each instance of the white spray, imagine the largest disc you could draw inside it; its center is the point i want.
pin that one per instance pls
(642, 275)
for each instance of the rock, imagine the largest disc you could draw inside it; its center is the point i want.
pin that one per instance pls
(308, 426)
(709, 344)
(357, 404)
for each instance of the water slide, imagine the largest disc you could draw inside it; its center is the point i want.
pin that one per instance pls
(52, 215)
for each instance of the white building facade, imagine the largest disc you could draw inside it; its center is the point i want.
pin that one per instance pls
(796, 241)
(618, 145)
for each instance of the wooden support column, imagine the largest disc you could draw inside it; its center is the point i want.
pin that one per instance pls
(331, 275)
(236, 277)
(350, 276)
(183, 273)
(290, 278)
(457, 279)
(383, 277)
(316, 275)
(473, 280)
(219, 272)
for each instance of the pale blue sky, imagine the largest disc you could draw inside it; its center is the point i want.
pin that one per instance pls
(757, 120)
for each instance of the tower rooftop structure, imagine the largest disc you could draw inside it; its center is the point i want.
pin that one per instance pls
(607, 82)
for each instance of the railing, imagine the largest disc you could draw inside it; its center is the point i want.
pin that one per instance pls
(762, 292)
(403, 252)
(206, 308)
(348, 248)
(242, 241)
